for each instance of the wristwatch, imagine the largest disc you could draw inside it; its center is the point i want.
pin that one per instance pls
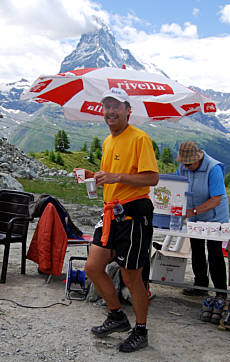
(194, 211)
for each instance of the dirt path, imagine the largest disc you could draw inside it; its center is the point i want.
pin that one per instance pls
(62, 332)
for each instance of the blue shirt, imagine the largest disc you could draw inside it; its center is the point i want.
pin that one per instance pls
(206, 182)
(216, 181)
(216, 184)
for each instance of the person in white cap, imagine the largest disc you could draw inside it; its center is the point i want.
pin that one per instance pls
(128, 168)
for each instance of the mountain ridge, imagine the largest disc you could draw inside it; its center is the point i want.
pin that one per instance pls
(29, 125)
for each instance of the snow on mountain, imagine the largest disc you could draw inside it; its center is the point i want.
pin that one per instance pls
(223, 105)
(11, 120)
(10, 97)
(98, 49)
(21, 84)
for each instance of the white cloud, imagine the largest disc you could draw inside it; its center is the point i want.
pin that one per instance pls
(38, 34)
(56, 19)
(195, 11)
(190, 60)
(225, 14)
(129, 20)
(190, 30)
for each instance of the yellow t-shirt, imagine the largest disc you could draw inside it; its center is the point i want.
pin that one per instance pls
(130, 152)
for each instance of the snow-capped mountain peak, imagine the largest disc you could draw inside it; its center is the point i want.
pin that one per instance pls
(100, 49)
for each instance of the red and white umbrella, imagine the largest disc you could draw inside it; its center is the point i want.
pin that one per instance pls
(153, 96)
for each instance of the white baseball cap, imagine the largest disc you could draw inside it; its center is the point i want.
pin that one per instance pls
(117, 93)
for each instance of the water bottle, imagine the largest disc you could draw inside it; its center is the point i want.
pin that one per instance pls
(176, 213)
(118, 211)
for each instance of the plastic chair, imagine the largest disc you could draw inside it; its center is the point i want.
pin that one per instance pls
(14, 221)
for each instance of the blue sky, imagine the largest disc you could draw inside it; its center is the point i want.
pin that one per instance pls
(188, 39)
(203, 13)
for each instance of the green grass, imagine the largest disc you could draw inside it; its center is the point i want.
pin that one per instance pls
(66, 189)
(63, 188)
(71, 160)
(80, 159)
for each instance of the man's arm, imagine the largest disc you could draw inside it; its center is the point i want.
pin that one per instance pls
(216, 190)
(147, 178)
(206, 206)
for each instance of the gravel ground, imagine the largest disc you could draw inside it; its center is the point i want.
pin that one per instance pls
(61, 331)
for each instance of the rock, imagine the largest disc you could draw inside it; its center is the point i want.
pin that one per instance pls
(17, 164)
(8, 182)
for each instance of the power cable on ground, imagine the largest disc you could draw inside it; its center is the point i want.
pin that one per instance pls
(36, 307)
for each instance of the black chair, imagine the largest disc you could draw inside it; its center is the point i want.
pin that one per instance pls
(14, 222)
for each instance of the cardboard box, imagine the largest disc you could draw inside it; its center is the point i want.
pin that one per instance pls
(169, 266)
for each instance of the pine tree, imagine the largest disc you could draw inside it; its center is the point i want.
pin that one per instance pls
(95, 144)
(65, 140)
(98, 153)
(166, 155)
(84, 147)
(59, 159)
(52, 157)
(156, 150)
(61, 141)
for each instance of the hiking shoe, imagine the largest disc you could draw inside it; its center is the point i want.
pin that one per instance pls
(218, 307)
(225, 319)
(194, 292)
(134, 342)
(206, 310)
(110, 326)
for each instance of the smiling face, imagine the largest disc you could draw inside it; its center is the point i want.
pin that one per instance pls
(116, 115)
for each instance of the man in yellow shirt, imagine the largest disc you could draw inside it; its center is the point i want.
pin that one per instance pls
(128, 168)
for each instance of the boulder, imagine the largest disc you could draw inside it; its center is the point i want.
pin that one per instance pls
(18, 164)
(9, 182)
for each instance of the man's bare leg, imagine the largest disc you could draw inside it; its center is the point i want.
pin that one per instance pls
(133, 280)
(95, 269)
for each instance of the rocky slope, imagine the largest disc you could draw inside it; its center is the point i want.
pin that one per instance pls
(14, 163)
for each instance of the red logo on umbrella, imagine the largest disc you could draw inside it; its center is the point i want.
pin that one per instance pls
(92, 108)
(38, 100)
(40, 86)
(140, 88)
(191, 108)
(209, 107)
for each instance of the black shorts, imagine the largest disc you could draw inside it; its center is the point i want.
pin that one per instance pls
(130, 239)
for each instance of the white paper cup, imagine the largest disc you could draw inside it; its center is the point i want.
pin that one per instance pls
(79, 175)
(225, 229)
(197, 228)
(214, 229)
(91, 188)
(190, 227)
(205, 228)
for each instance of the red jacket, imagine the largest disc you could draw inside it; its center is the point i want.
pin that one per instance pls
(49, 242)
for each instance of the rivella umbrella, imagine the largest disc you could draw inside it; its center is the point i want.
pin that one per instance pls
(153, 96)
